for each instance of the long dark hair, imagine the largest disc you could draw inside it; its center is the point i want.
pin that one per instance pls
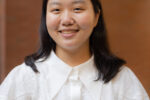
(107, 64)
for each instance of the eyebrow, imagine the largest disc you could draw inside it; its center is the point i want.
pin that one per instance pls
(54, 3)
(78, 1)
(74, 2)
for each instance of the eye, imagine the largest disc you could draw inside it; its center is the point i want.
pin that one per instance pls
(55, 10)
(78, 9)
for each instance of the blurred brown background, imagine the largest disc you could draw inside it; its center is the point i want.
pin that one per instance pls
(127, 21)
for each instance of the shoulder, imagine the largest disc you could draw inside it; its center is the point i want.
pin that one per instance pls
(19, 81)
(126, 77)
(127, 85)
(21, 72)
(22, 68)
(125, 73)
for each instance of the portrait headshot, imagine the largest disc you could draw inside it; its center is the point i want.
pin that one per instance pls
(74, 50)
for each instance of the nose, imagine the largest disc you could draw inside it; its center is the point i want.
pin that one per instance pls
(67, 18)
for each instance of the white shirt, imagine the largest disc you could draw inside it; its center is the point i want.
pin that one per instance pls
(59, 81)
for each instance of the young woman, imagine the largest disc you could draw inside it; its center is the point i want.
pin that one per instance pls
(73, 61)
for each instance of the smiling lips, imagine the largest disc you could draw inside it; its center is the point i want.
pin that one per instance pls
(68, 33)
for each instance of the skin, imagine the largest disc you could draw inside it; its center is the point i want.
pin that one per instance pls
(70, 24)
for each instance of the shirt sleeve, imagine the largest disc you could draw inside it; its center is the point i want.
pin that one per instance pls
(18, 83)
(128, 86)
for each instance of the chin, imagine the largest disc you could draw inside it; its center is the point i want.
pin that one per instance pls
(70, 47)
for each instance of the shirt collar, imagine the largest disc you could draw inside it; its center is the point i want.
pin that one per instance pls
(59, 73)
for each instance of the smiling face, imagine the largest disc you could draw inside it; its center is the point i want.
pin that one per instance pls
(70, 22)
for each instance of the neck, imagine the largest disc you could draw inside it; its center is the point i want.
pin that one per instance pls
(75, 57)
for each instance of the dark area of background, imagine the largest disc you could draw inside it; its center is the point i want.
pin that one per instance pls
(127, 22)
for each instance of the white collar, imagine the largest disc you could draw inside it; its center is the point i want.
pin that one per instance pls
(59, 72)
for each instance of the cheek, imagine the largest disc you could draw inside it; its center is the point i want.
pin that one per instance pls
(51, 22)
(86, 21)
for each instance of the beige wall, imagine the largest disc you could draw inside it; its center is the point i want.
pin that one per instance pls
(128, 32)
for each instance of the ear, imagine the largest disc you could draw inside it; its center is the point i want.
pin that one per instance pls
(96, 18)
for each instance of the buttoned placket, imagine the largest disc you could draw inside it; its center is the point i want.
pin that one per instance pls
(76, 85)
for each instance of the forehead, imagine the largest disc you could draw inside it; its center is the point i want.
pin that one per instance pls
(59, 2)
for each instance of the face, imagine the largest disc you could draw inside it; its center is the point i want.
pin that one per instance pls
(70, 22)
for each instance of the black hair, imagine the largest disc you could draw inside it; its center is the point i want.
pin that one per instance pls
(107, 64)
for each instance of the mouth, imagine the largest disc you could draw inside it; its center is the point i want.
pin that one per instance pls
(68, 33)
